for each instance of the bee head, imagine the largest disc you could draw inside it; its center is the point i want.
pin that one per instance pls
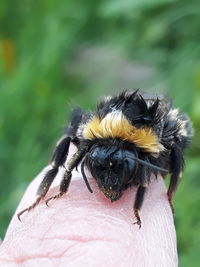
(113, 168)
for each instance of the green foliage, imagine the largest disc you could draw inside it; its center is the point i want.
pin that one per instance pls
(59, 54)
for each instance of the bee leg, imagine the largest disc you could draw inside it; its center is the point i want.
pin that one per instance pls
(176, 167)
(138, 203)
(72, 163)
(144, 174)
(63, 186)
(58, 159)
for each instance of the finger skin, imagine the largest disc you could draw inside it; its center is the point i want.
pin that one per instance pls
(84, 229)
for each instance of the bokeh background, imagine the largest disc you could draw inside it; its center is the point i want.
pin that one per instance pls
(55, 55)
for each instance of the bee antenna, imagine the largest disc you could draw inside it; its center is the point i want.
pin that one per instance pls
(152, 166)
(85, 177)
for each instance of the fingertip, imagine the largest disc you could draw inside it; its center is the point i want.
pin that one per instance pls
(87, 216)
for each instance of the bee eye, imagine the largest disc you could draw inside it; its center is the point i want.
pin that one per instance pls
(130, 164)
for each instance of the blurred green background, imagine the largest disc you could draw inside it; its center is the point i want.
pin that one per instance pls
(55, 55)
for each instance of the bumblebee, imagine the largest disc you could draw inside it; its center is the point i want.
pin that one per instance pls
(128, 137)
